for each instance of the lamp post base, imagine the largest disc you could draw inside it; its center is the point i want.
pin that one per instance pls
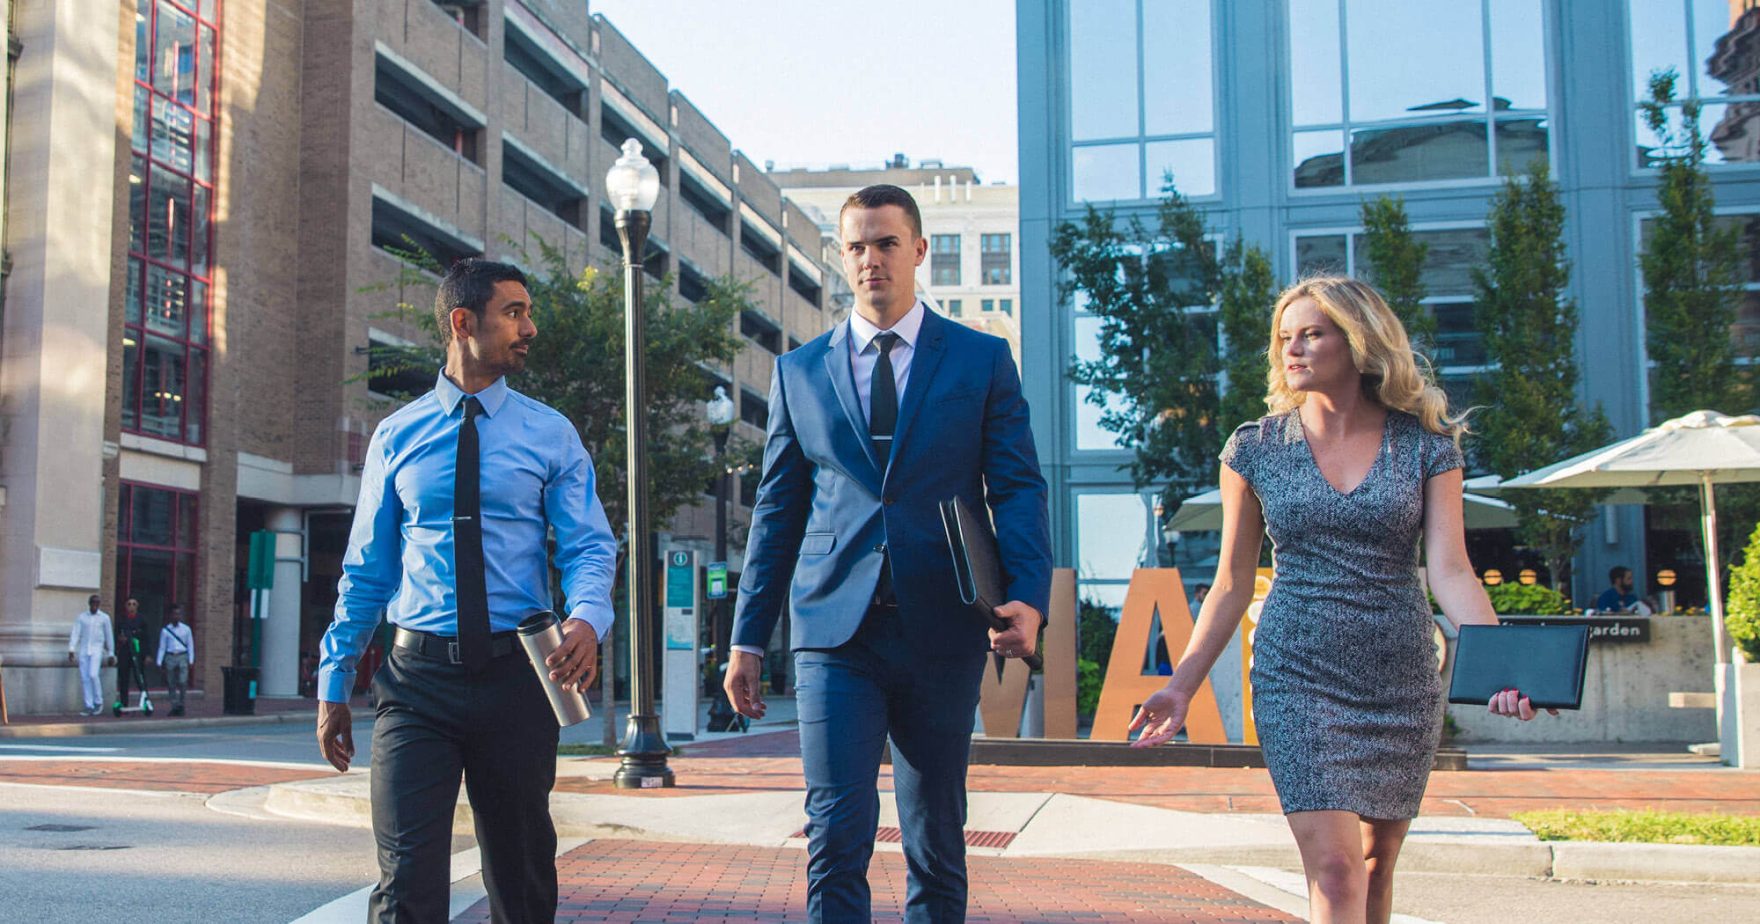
(644, 756)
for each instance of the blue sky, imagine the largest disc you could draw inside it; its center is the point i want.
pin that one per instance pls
(807, 83)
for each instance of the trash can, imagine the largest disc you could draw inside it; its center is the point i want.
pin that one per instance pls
(240, 697)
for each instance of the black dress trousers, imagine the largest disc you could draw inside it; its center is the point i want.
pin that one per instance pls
(437, 722)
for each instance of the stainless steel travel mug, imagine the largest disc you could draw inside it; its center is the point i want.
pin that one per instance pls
(541, 633)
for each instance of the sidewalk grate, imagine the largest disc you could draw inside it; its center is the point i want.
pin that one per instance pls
(891, 835)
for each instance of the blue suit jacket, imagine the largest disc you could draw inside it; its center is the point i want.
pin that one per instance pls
(827, 513)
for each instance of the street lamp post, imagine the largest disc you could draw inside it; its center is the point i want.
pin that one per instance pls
(720, 413)
(633, 185)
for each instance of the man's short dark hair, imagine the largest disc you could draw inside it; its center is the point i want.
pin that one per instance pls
(873, 197)
(1617, 572)
(470, 283)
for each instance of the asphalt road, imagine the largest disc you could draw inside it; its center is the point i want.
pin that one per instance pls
(82, 855)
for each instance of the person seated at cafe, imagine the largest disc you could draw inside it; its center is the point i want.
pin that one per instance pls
(1619, 597)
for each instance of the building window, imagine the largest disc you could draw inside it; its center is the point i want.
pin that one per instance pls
(759, 247)
(1459, 350)
(1745, 332)
(1112, 541)
(1712, 45)
(396, 369)
(156, 553)
(986, 305)
(615, 129)
(754, 409)
(1472, 105)
(1142, 103)
(997, 259)
(803, 285)
(705, 203)
(409, 97)
(692, 285)
(944, 259)
(540, 183)
(1007, 306)
(953, 307)
(761, 330)
(467, 13)
(525, 56)
(407, 237)
(167, 311)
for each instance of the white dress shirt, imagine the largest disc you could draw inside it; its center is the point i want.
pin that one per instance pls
(176, 640)
(92, 634)
(864, 354)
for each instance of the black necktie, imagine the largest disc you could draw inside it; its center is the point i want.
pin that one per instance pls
(467, 545)
(883, 399)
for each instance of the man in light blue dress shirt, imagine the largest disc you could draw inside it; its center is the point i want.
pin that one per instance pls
(458, 493)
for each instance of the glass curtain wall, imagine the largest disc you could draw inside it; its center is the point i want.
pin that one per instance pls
(1142, 99)
(1459, 350)
(1713, 46)
(1386, 92)
(171, 205)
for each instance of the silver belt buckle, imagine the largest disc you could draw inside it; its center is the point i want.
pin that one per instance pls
(452, 655)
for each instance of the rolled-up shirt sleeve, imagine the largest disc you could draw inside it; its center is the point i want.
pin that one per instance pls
(586, 550)
(371, 572)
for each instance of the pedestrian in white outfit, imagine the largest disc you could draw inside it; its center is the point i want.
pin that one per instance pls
(177, 649)
(92, 646)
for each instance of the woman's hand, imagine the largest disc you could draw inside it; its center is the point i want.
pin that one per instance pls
(1160, 717)
(1513, 704)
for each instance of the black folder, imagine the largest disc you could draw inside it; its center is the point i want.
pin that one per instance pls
(977, 568)
(1545, 662)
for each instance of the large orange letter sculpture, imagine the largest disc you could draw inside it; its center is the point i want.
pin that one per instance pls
(1000, 702)
(1153, 591)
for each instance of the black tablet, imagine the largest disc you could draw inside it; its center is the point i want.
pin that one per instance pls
(1546, 663)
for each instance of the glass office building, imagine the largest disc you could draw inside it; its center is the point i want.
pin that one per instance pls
(1280, 117)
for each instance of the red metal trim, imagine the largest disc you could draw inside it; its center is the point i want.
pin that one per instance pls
(205, 310)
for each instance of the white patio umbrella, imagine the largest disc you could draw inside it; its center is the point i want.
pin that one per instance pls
(1204, 511)
(1703, 448)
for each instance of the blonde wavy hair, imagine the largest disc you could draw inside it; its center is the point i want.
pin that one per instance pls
(1393, 375)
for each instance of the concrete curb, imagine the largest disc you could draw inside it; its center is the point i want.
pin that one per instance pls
(1666, 862)
(149, 725)
(755, 819)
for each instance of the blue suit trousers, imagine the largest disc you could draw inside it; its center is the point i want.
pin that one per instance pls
(850, 699)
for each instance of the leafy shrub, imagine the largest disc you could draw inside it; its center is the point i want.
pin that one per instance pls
(1527, 598)
(1089, 678)
(1742, 615)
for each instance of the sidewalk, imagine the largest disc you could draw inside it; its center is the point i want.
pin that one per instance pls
(746, 792)
(200, 711)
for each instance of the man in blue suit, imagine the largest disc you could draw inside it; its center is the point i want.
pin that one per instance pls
(872, 426)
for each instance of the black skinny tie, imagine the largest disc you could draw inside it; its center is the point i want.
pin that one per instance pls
(467, 545)
(883, 399)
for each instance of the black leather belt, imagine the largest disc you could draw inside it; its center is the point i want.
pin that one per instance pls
(445, 647)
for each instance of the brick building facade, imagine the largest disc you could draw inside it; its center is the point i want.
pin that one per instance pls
(196, 368)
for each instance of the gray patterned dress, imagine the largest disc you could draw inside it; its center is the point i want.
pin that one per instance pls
(1346, 694)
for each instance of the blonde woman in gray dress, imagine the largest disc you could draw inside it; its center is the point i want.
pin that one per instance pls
(1357, 464)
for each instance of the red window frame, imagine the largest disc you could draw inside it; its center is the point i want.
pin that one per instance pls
(190, 416)
(183, 543)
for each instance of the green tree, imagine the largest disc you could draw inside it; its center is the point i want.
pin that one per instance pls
(1742, 610)
(1244, 313)
(1151, 288)
(1396, 267)
(1531, 416)
(1692, 270)
(577, 367)
(1095, 629)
